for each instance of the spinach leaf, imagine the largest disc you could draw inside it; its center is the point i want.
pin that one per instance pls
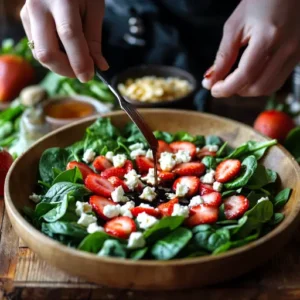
(249, 166)
(42, 208)
(198, 140)
(163, 135)
(261, 177)
(231, 192)
(133, 134)
(276, 219)
(222, 150)
(76, 151)
(282, 198)
(253, 197)
(169, 246)
(209, 162)
(93, 242)
(162, 228)
(57, 212)
(213, 140)
(292, 143)
(64, 228)
(103, 129)
(113, 248)
(138, 254)
(72, 175)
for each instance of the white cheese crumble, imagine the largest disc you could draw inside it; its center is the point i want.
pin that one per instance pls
(145, 205)
(136, 240)
(262, 199)
(196, 200)
(137, 152)
(86, 220)
(136, 146)
(182, 156)
(82, 207)
(89, 156)
(35, 198)
(198, 149)
(167, 161)
(180, 210)
(109, 155)
(211, 148)
(149, 154)
(118, 195)
(125, 209)
(181, 189)
(209, 177)
(148, 194)
(150, 178)
(170, 195)
(119, 160)
(132, 179)
(146, 221)
(217, 186)
(94, 227)
(111, 211)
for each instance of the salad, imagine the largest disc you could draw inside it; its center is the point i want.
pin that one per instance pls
(98, 194)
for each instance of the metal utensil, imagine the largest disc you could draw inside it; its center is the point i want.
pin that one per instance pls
(134, 116)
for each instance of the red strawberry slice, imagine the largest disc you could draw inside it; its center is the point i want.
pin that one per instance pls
(166, 209)
(83, 168)
(212, 199)
(98, 204)
(227, 170)
(120, 227)
(163, 147)
(204, 152)
(190, 168)
(116, 181)
(101, 163)
(148, 210)
(235, 206)
(205, 189)
(187, 146)
(140, 186)
(144, 164)
(128, 166)
(202, 214)
(166, 176)
(114, 171)
(191, 181)
(99, 185)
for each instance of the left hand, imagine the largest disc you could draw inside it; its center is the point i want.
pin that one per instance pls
(271, 31)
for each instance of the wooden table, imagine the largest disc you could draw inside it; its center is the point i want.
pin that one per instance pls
(24, 276)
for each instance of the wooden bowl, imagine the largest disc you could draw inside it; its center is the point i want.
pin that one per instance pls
(175, 274)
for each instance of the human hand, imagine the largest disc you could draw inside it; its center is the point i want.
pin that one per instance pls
(271, 31)
(77, 24)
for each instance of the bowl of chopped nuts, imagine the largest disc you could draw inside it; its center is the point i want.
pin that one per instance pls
(156, 85)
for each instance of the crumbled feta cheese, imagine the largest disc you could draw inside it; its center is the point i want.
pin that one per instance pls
(136, 146)
(132, 179)
(82, 207)
(109, 155)
(180, 210)
(262, 199)
(182, 156)
(136, 240)
(145, 205)
(118, 195)
(94, 227)
(125, 209)
(150, 178)
(181, 189)
(198, 149)
(35, 198)
(111, 211)
(170, 195)
(146, 221)
(148, 194)
(196, 201)
(211, 148)
(137, 152)
(149, 154)
(89, 156)
(167, 161)
(86, 220)
(119, 160)
(209, 177)
(217, 186)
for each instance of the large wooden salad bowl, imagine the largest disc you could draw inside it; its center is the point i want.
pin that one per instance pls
(145, 274)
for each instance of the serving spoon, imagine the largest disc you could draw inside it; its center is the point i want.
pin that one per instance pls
(135, 117)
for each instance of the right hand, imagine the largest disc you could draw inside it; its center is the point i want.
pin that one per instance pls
(78, 25)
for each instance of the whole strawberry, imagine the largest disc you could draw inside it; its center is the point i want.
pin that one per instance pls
(6, 161)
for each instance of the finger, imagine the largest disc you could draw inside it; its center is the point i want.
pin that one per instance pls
(46, 47)
(69, 28)
(26, 22)
(252, 62)
(93, 31)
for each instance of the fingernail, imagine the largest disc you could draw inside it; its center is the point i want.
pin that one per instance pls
(85, 77)
(206, 83)
(104, 65)
(209, 72)
(216, 90)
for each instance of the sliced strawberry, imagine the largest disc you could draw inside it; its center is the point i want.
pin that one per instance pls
(235, 206)
(227, 170)
(190, 169)
(98, 204)
(120, 227)
(140, 186)
(191, 181)
(212, 199)
(116, 181)
(144, 164)
(187, 146)
(128, 166)
(101, 163)
(205, 189)
(163, 147)
(83, 168)
(204, 152)
(166, 176)
(99, 185)
(114, 171)
(202, 214)
(148, 210)
(166, 208)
